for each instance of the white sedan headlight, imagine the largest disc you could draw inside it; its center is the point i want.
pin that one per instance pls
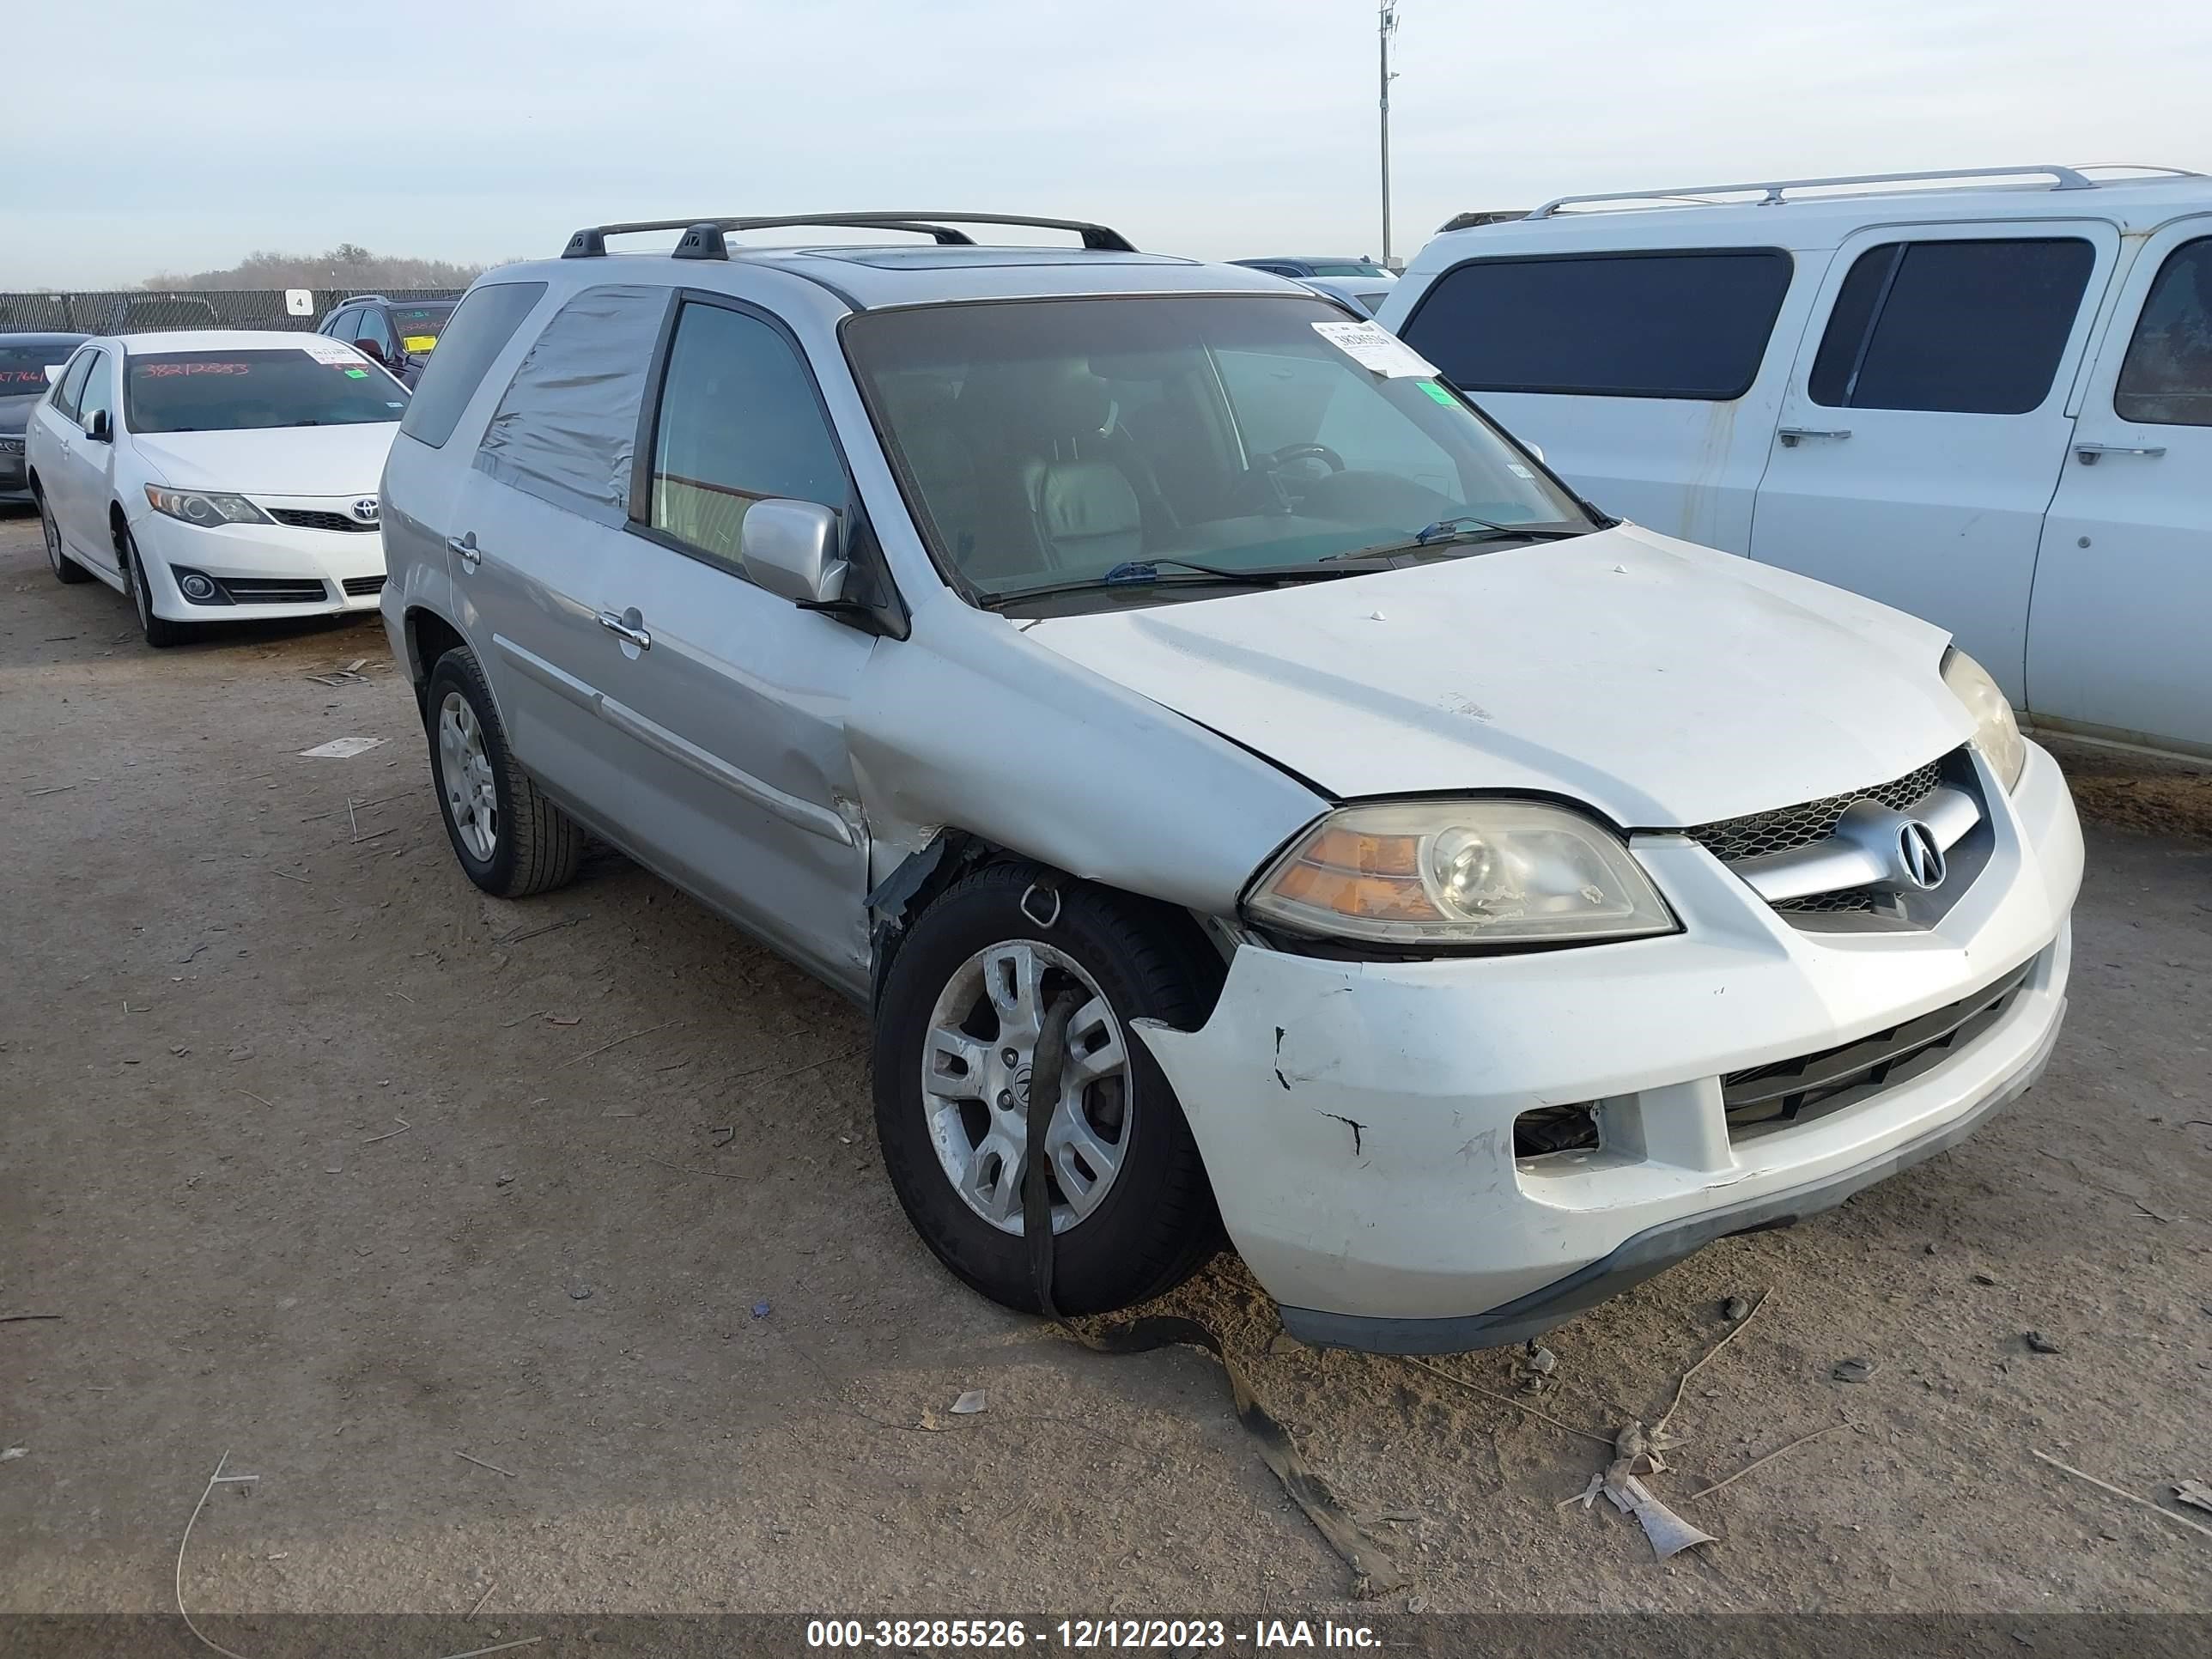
(204, 507)
(1458, 873)
(1997, 733)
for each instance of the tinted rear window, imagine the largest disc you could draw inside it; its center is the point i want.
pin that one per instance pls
(23, 368)
(476, 334)
(1691, 325)
(1965, 327)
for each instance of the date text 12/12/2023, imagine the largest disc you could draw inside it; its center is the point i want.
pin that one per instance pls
(1078, 1635)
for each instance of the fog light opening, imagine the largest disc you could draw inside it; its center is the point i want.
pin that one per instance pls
(1551, 1129)
(200, 589)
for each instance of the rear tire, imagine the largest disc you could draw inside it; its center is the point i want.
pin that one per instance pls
(1153, 1223)
(160, 633)
(509, 836)
(65, 569)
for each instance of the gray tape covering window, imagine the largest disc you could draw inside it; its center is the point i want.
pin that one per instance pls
(567, 427)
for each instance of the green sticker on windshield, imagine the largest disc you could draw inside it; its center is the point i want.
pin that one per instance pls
(357, 374)
(1439, 394)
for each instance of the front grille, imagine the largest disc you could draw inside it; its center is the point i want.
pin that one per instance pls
(360, 586)
(301, 518)
(275, 590)
(1849, 901)
(11, 446)
(1761, 833)
(1790, 1091)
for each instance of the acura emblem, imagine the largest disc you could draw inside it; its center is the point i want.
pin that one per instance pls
(1919, 859)
(365, 509)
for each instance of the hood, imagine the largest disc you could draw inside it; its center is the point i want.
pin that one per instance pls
(289, 460)
(1661, 683)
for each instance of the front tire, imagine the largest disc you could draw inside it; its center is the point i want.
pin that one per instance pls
(1132, 1213)
(160, 633)
(65, 569)
(509, 836)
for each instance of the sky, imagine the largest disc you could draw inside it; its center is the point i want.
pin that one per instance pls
(488, 130)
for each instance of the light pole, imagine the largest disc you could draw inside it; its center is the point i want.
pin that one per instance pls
(1386, 25)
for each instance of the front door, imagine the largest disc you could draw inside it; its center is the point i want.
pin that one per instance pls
(733, 699)
(89, 465)
(1926, 422)
(2117, 641)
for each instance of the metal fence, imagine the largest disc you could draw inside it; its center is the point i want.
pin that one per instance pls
(141, 311)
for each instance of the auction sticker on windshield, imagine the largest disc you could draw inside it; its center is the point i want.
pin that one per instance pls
(333, 352)
(1374, 349)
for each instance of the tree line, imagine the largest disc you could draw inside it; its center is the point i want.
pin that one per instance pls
(347, 265)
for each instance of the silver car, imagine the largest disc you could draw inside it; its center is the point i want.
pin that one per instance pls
(1244, 786)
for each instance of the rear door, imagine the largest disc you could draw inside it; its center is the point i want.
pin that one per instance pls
(2116, 640)
(56, 420)
(1645, 376)
(1926, 422)
(731, 700)
(91, 464)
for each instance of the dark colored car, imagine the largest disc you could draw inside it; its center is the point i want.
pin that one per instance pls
(401, 334)
(1315, 265)
(23, 361)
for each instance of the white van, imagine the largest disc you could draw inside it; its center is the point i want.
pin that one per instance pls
(1983, 396)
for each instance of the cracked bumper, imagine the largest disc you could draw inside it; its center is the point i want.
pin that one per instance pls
(1357, 1118)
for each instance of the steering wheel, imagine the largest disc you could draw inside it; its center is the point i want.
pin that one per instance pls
(1276, 460)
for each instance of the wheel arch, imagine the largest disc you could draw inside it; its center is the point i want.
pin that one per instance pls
(429, 636)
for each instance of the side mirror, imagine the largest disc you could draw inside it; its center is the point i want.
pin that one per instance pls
(374, 352)
(100, 428)
(792, 549)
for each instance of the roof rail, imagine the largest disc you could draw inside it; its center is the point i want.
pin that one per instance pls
(1774, 189)
(351, 298)
(591, 242)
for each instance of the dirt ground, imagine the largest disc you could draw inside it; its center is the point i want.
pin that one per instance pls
(329, 1164)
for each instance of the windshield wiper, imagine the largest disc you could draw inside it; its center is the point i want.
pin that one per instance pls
(1461, 530)
(1147, 573)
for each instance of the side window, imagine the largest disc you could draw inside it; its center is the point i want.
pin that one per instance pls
(566, 428)
(98, 390)
(1965, 327)
(1691, 325)
(375, 331)
(740, 422)
(70, 387)
(2166, 378)
(346, 325)
(480, 329)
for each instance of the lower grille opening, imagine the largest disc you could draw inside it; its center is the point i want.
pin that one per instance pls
(1794, 1090)
(275, 590)
(1556, 1130)
(358, 586)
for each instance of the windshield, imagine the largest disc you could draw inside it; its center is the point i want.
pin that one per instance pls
(246, 391)
(23, 368)
(1348, 267)
(419, 326)
(1047, 442)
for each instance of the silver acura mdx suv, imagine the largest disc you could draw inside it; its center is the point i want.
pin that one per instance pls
(1218, 756)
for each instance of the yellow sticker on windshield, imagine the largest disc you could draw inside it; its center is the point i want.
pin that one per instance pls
(420, 341)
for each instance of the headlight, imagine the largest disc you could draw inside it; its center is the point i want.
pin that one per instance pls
(1458, 873)
(204, 507)
(1997, 733)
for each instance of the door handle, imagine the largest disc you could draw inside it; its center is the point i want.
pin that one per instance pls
(465, 548)
(2088, 453)
(622, 628)
(1790, 435)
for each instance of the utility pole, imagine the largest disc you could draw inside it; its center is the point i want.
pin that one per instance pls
(1386, 25)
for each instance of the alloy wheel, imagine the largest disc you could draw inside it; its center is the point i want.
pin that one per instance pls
(976, 1060)
(464, 773)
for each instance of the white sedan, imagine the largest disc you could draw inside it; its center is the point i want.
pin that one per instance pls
(215, 476)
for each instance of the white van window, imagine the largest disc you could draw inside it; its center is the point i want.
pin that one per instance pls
(1962, 327)
(2166, 379)
(1691, 325)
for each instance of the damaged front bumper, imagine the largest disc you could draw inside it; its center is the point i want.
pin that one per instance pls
(1357, 1118)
